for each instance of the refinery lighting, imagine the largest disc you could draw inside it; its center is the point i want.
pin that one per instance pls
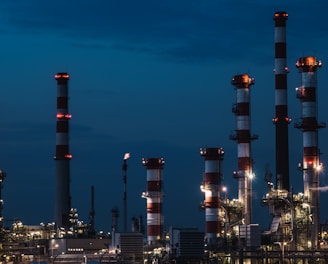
(319, 167)
(251, 175)
(61, 75)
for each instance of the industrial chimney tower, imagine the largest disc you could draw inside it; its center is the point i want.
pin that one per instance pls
(154, 198)
(281, 119)
(211, 187)
(243, 137)
(311, 166)
(62, 157)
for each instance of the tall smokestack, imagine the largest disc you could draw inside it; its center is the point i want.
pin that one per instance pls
(92, 213)
(62, 157)
(211, 188)
(154, 198)
(115, 215)
(281, 119)
(243, 137)
(125, 207)
(2, 177)
(307, 94)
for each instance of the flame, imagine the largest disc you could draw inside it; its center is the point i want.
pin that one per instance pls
(126, 156)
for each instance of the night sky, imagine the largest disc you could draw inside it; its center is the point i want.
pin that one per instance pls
(151, 78)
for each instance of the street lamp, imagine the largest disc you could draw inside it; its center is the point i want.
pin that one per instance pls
(38, 247)
(225, 190)
(124, 168)
(54, 246)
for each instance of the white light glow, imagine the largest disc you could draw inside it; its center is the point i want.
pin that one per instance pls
(126, 156)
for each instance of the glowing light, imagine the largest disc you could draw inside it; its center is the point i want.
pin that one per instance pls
(61, 75)
(319, 167)
(251, 175)
(67, 116)
(68, 156)
(281, 14)
(126, 156)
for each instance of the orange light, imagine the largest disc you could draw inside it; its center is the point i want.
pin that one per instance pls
(68, 156)
(281, 14)
(61, 75)
(67, 116)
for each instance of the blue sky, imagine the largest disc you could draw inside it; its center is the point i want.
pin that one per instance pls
(151, 78)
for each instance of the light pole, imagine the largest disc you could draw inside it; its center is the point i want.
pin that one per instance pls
(124, 168)
(54, 246)
(39, 248)
(225, 190)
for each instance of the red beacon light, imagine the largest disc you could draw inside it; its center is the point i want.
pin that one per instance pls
(288, 120)
(68, 156)
(281, 14)
(67, 116)
(61, 76)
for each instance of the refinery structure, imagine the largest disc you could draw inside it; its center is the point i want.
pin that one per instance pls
(230, 234)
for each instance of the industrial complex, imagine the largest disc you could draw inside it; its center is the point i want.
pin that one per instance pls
(230, 234)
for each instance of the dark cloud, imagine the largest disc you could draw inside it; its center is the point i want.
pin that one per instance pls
(188, 30)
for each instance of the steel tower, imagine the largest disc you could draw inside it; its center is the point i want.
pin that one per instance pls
(243, 137)
(62, 157)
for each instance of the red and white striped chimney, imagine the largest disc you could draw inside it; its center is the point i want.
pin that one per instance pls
(62, 157)
(244, 174)
(154, 196)
(281, 119)
(211, 187)
(307, 94)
